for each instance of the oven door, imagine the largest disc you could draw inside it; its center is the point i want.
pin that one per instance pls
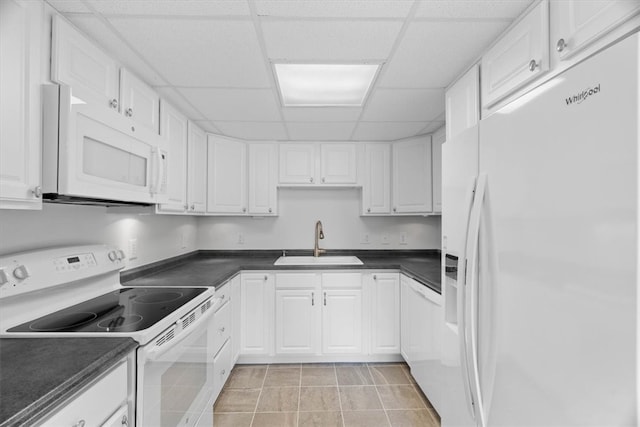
(175, 375)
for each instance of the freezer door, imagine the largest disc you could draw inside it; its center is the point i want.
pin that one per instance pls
(558, 249)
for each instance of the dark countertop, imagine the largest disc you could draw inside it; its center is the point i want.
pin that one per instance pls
(37, 374)
(214, 268)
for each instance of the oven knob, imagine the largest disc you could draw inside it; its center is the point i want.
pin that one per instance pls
(113, 255)
(21, 272)
(121, 254)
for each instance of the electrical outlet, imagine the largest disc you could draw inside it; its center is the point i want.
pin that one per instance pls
(403, 238)
(366, 240)
(133, 249)
(240, 239)
(384, 239)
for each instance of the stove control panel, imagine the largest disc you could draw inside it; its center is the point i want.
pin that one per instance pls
(35, 270)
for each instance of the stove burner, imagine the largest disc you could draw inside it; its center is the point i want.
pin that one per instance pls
(115, 323)
(163, 297)
(58, 322)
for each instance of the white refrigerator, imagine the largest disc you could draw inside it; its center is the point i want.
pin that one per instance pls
(545, 307)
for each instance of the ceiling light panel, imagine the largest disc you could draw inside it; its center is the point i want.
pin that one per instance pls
(313, 85)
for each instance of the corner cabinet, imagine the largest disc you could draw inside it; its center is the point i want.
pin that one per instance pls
(376, 186)
(385, 312)
(263, 167)
(257, 313)
(412, 181)
(174, 129)
(21, 31)
(226, 176)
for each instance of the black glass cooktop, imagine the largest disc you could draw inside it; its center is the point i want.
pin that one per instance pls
(124, 310)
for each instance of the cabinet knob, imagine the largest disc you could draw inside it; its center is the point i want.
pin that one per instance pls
(375, 277)
(369, 210)
(80, 423)
(325, 298)
(395, 209)
(311, 179)
(193, 207)
(323, 179)
(37, 191)
(113, 103)
(265, 277)
(533, 65)
(561, 45)
(129, 112)
(244, 210)
(313, 299)
(270, 210)
(125, 420)
(224, 371)
(222, 330)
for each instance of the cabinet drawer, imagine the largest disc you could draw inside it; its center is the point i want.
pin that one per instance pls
(221, 368)
(222, 325)
(224, 293)
(297, 280)
(97, 403)
(342, 280)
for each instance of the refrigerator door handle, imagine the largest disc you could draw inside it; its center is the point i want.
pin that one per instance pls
(471, 280)
(461, 286)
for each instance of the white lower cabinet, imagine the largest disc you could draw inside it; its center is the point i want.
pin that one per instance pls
(385, 312)
(103, 403)
(297, 321)
(222, 365)
(341, 321)
(234, 285)
(256, 313)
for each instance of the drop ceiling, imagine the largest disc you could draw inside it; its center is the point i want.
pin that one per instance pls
(213, 58)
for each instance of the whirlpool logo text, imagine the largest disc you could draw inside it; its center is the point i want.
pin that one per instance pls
(579, 98)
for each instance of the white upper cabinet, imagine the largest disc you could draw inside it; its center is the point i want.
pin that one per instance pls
(139, 101)
(263, 169)
(21, 24)
(338, 163)
(412, 181)
(518, 57)
(376, 188)
(174, 131)
(436, 170)
(577, 23)
(318, 164)
(227, 175)
(197, 170)
(462, 103)
(77, 62)
(297, 163)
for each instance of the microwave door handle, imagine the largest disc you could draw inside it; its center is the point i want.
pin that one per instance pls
(156, 352)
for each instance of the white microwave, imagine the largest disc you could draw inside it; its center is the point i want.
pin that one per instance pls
(94, 155)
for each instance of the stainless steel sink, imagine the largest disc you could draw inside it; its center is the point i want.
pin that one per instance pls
(321, 260)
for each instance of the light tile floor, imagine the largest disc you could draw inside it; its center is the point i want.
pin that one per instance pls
(325, 394)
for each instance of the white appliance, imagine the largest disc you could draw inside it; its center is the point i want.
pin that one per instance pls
(94, 155)
(545, 304)
(76, 292)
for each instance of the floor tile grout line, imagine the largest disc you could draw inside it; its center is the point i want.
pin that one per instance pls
(386, 414)
(335, 373)
(299, 398)
(255, 409)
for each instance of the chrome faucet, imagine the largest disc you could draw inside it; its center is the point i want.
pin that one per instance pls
(319, 235)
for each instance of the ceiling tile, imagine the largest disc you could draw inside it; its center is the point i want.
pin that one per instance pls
(319, 41)
(320, 131)
(253, 130)
(234, 104)
(404, 105)
(199, 52)
(172, 7)
(97, 30)
(335, 9)
(423, 60)
(207, 126)
(387, 131)
(475, 9)
(178, 100)
(69, 6)
(312, 114)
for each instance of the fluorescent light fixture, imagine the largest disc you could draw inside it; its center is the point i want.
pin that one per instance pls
(324, 85)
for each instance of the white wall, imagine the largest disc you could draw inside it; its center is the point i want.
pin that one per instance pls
(158, 236)
(299, 209)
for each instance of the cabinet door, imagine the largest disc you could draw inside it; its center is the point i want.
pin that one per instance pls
(412, 192)
(385, 313)
(263, 166)
(20, 104)
(436, 173)
(338, 163)
(235, 318)
(196, 170)
(227, 176)
(376, 189)
(139, 101)
(78, 62)
(221, 368)
(341, 321)
(297, 163)
(174, 130)
(577, 23)
(462, 103)
(257, 313)
(297, 321)
(520, 56)
(405, 326)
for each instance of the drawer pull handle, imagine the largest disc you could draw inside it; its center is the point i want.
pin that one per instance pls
(533, 65)
(313, 300)
(125, 420)
(561, 45)
(113, 103)
(222, 330)
(80, 423)
(325, 298)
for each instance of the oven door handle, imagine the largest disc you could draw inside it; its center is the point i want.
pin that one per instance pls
(156, 351)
